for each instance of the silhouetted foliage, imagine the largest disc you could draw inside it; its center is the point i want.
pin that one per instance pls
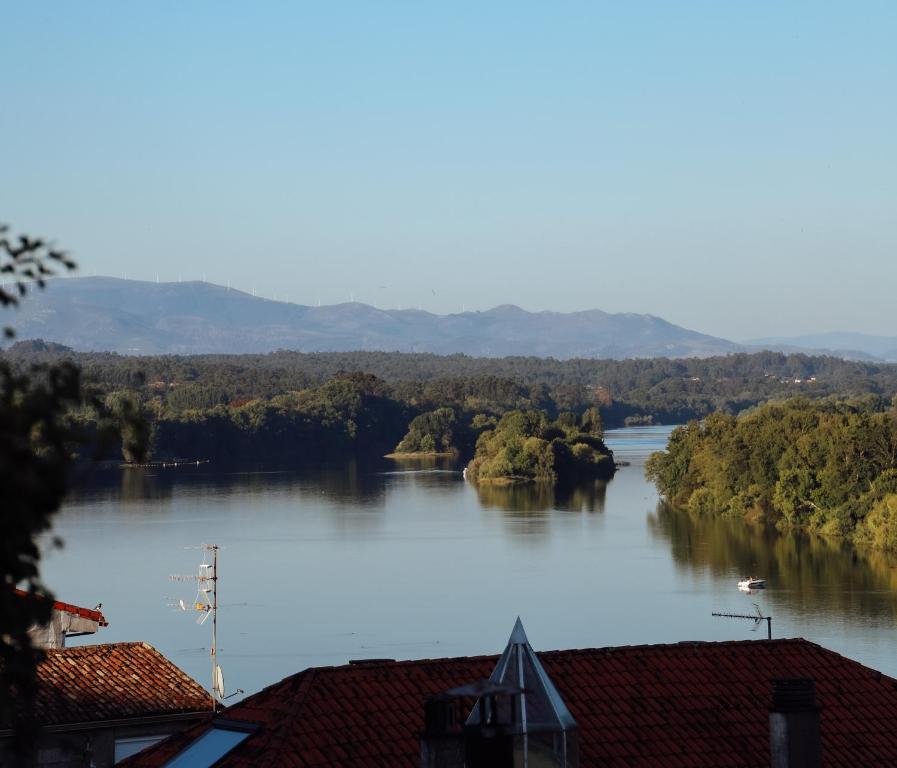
(39, 434)
(26, 262)
(34, 439)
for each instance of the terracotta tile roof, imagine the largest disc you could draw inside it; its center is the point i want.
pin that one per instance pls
(111, 681)
(690, 704)
(87, 613)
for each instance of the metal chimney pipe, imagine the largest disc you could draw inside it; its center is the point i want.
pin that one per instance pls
(795, 740)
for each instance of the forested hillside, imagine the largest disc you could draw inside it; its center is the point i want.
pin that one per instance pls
(667, 391)
(363, 402)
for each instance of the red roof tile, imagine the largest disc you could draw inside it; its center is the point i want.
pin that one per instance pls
(111, 681)
(690, 704)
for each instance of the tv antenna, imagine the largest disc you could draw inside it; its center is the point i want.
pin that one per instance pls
(206, 604)
(755, 617)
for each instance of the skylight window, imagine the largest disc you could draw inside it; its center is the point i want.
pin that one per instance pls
(209, 748)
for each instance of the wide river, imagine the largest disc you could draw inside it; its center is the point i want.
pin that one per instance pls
(320, 566)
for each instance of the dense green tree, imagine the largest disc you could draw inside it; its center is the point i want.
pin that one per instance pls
(822, 466)
(431, 432)
(195, 396)
(524, 445)
(591, 422)
(879, 528)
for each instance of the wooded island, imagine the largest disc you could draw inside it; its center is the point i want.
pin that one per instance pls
(828, 467)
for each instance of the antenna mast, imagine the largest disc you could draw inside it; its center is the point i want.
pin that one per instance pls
(206, 603)
(756, 618)
(217, 677)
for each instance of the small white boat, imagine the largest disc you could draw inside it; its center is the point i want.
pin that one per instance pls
(750, 583)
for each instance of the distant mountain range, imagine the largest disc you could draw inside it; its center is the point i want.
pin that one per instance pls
(143, 318)
(136, 317)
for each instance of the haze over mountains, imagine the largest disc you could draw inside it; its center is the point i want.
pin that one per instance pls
(136, 317)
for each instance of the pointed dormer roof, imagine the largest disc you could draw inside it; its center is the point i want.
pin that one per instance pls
(541, 706)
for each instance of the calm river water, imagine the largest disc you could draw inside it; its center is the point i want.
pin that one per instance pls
(326, 565)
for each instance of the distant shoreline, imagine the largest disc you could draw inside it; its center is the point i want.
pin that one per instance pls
(422, 455)
(509, 480)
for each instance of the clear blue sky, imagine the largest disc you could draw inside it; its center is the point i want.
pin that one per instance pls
(730, 166)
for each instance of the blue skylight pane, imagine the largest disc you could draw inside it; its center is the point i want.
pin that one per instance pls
(208, 749)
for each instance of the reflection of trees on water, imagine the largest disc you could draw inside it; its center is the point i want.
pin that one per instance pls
(141, 485)
(349, 483)
(527, 507)
(345, 483)
(417, 463)
(519, 497)
(542, 497)
(808, 573)
(585, 497)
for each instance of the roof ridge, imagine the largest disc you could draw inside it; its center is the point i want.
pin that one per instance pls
(591, 649)
(376, 665)
(680, 644)
(352, 668)
(876, 673)
(94, 647)
(277, 684)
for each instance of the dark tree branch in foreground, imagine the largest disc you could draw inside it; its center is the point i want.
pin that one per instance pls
(26, 262)
(38, 441)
